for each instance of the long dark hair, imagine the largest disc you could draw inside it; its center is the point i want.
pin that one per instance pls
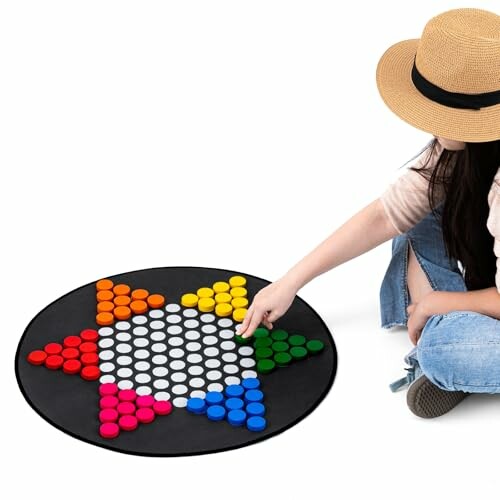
(466, 177)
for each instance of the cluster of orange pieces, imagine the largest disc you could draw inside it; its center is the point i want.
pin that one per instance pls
(119, 302)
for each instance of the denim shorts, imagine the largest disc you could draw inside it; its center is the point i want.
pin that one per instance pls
(457, 351)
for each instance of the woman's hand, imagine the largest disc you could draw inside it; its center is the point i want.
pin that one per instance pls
(269, 304)
(420, 312)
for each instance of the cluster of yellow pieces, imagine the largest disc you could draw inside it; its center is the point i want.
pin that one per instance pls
(225, 298)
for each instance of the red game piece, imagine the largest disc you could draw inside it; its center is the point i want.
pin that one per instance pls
(72, 366)
(88, 347)
(108, 389)
(72, 341)
(128, 422)
(126, 408)
(108, 402)
(54, 361)
(109, 430)
(145, 415)
(70, 353)
(108, 415)
(89, 335)
(89, 358)
(53, 348)
(162, 407)
(90, 372)
(145, 401)
(127, 395)
(37, 357)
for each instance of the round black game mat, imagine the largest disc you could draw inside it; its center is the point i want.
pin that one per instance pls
(71, 404)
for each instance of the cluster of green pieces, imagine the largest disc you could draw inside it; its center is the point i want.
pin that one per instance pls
(278, 348)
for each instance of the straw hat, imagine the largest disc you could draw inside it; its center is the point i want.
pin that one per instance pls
(448, 81)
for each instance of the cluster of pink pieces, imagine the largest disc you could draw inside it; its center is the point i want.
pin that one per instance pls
(125, 410)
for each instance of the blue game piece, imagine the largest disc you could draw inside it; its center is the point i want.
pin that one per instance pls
(251, 383)
(196, 405)
(236, 417)
(256, 424)
(234, 391)
(214, 398)
(254, 396)
(255, 409)
(234, 404)
(216, 412)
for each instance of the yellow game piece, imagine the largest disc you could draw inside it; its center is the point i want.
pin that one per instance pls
(220, 287)
(237, 281)
(189, 300)
(206, 304)
(223, 298)
(238, 291)
(205, 292)
(239, 314)
(239, 302)
(223, 309)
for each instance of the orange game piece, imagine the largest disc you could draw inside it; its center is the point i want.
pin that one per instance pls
(121, 289)
(104, 318)
(104, 285)
(140, 294)
(105, 296)
(138, 306)
(122, 312)
(156, 300)
(105, 306)
(122, 300)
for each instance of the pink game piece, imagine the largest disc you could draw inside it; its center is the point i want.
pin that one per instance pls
(127, 395)
(145, 401)
(126, 408)
(128, 422)
(145, 415)
(162, 407)
(109, 430)
(108, 415)
(108, 389)
(108, 402)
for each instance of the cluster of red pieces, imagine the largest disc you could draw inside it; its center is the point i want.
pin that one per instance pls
(76, 354)
(125, 410)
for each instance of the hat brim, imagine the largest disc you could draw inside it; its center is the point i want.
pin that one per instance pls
(401, 96)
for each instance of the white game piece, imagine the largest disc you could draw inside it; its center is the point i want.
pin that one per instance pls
(231, 369)
(249, 374)
(172, 308)
(179, 389)
(160, 371)
(141, 354)
(176, 353)
(210, 340)
(105, 343)
(180, 402)
(124, 372)
(159, 359)
(226, 334)
(198, 394)
(229, 357)
(197, 382)
(232, 380)
(160, 383)
(143, 390)
(141, 342)
(123, 348)
(227, 345)
(122, 325)
(123, 337)
(207, 318)
(142, 366)
(190, 313)
(194, 358)
(124, 360)
(191, 323)
(107, 379)
(216, 387)
(158, 347)
(247, 362)
(195, 370)
(212, 363)
(225, 322)
(214, 375)
(125, 384)
(246, 350)
(106, 355)
(192, 335)
(105, 331)
(178, 377)
(178, 364)
(175, 341)
(211, 351)
(162, 396)
(174, 330)
(156, 313)
(173, 318)
(157, 325)
(193, 346)
(140, 330)
(142, 378)
(208, 329)
(158, 336)
(139, 320)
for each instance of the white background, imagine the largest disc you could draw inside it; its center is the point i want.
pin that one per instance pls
(224, 134)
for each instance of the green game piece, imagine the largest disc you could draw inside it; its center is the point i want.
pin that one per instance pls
(240, 340)
(280, 346)
(265, 365)
(298, 352)
(279, 334)
(263, 342)
(282, 358)
(260, 332)
(314, 346)
(263, 353)
(296, 340)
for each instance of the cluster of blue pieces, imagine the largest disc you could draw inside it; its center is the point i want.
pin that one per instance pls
(239, 403)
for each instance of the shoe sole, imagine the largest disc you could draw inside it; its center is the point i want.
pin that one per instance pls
(427, 400)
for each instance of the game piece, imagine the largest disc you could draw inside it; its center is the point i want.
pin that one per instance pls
(89, 335)
(237, 281)
(216, 412)
(156, 300)
(256, 423)
(242, 340)
(104, 318)
(109, 430)
(105, 296)
(214, 398)
(145, 401)
(206, 304)
(263, 342)
(236, 417)
(254, 396)
(37, 357)
(125, 408)
(255, 409)
(233, 404)
(72, 341)
(282, 358)
(70, 353)
(71, 366)
(122, 300)
(260, 332)
(265, 365)
(104, 284)
(89, 358)
(138, 306)
(196, 405)
(189, 300)
(239, 302)
(54, 361)
(296, 340)
(121, 289)
(223, 298)
(238, 291)
(279, 335)
(221, 287)
(128, 422)
(205, 293)
(108, 389)
(263, 352)
(234, 391)
(145, 415)
(139, 294)
(314, 346)
(127, 395)
(90, 372)
(162, 407)
(298, 352)
(223, 309)
(108, 415)
(108, 402)
(250, 383)
(280, 346)
(239, 314)
(86, 347)
(122, 312)
(53, 348)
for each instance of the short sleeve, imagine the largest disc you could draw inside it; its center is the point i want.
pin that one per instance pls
(493, 225)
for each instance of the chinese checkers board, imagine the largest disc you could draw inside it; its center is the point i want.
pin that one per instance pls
(150, 363)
